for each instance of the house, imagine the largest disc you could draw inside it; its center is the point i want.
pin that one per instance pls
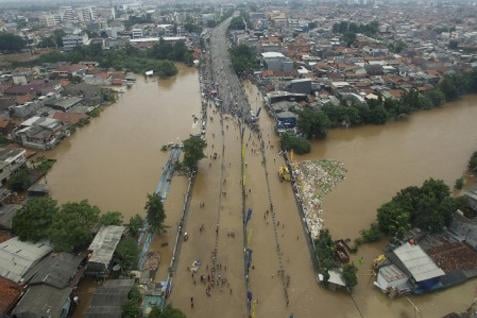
(40, 133)
(335, 279)
(102, 250)
(9, 295)
(391, 278)
(63, 103)
(7, 212)
(18, 257)
(66, 70)
(6, 125)
(286, 120)
(411, 259)
(302, 86)
(70, 118)
(50, 284)
(471, 196)
(108, 299)
(10, 161)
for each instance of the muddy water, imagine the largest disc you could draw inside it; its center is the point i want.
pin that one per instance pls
(380, 161)
(116, 160)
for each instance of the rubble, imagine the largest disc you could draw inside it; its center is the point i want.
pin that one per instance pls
(314, 179)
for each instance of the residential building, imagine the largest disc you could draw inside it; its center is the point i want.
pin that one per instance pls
(10, 161)
(70, 41)
(102, 250)
(18, 257)
(40, 133)
(50, 284)
(108, 299)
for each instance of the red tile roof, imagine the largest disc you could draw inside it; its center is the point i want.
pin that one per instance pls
(9, 294)
(69, 118)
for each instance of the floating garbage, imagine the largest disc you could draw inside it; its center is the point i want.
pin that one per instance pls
(314, 179)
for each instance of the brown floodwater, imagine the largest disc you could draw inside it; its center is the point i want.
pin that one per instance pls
(380, 161)
(117, 159)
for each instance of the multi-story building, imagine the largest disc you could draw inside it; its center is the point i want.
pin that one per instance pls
(70, 41)
(137, 33)
(67, 14)
(87, 14)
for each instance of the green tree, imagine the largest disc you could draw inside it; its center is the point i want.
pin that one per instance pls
(325, 251)
(155, 212)
(111, 218)
(32, 221)
(20, 180)
(127, 252)
(473, 163)
(349, 38)
(135, 225)
(237, 23)
(193, 152)
(10, 42)
(132, 309)
(393, 219)
(73, 226)
(349, 275)
(436, 96)
(313, 123)
(299, 144)
(243, 59)
(167, 312)
(459, 183)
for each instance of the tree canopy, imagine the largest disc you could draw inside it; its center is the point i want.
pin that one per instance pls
(155, 212)
(10, 42)
(73, 226)
(428, 207)
(127, 253)
(243, 59)
(167, 312)
(32, 221)
(296, 143)
(473, 163)
(111, 218)
(349, 275)
(313, 123)
(193, 152)
(135, 224)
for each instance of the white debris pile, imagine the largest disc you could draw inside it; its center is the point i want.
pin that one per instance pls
(314, 179)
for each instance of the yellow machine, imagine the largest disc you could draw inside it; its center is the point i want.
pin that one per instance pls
(284, 174)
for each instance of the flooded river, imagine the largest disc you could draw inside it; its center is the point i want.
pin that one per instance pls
(380, 161)
(117, 159)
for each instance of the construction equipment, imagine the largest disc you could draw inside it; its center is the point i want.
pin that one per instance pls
(284, 174)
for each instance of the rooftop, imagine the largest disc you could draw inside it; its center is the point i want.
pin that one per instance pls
(417, 262)
(269, 55)
(42, 301)
(108, 299)
(17, 257)
(104, 244)
(9, 294)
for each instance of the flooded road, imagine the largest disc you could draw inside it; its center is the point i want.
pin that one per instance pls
(117, 159)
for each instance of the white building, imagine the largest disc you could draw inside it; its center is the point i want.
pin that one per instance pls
(10, 161)
(391, 278)
(276, 61)
(70, 41)
(137, 33)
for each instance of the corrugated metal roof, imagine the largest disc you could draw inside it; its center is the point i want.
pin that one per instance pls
(17, 257)
(42, 301)
(417, 262)
(104, 244)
